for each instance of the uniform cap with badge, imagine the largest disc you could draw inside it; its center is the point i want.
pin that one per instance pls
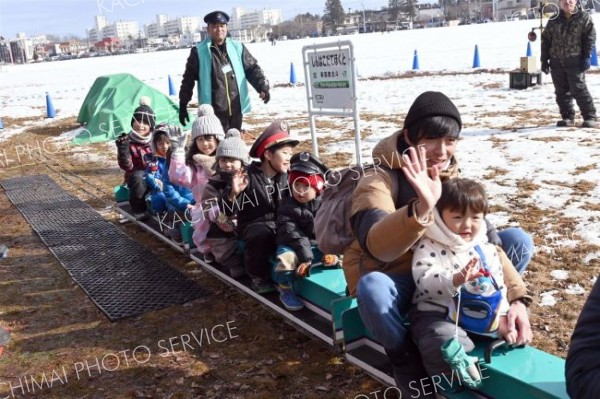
(216, 17)
(308, 168)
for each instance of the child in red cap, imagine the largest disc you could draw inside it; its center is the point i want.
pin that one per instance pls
(295, 224)
(256, 196)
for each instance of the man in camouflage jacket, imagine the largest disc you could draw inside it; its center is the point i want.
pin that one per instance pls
(567, 44)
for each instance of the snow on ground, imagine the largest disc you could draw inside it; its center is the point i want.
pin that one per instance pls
(508, 139)
(559, 274)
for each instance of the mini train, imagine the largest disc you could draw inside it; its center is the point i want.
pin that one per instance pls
(332, 316)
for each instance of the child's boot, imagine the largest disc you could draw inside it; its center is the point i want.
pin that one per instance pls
(454, 354)
(288, 297)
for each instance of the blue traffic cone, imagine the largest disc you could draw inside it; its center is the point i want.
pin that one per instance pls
(293, 80)
(476, 63)
(529, 52)
(50, 112)
(1, 124)
(171, 87)
(594, 60)
(415, 61)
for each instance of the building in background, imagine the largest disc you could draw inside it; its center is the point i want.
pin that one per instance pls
(123, 30)
(255, 25)
(156, 29)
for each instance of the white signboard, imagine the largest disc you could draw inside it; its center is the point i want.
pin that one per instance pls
(330, 78)
(331, 86)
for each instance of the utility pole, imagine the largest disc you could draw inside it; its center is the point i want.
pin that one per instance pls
(364, 19)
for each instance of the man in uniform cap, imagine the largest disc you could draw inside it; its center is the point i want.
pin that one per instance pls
(226, 63)
(257, 196)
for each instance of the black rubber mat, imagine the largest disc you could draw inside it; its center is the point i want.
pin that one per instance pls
(120, 275)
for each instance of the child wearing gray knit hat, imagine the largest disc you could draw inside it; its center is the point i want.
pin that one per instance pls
(231, 160)
(207, 124)
(233, 147)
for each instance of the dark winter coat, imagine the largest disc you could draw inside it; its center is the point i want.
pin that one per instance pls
(566, 42)
(261, 198)
(225, 93)
(215, 191)
(582, 368)
(130, 156)
(296, 226)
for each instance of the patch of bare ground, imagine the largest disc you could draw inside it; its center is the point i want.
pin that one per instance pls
(492, 85)
(498, 208)
(413, 74)
(526, 187)
(55, 324)
(547, 139)
(498, 142)
(579, 187)
(554, 325)
(494, 173)
(585, 168)
(591, 206)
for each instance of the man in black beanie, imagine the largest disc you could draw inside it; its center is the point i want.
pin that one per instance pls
(226, 64)
(386, 223)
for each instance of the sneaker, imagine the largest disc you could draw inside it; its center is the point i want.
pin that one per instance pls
(174, 234)
(590, 123)
(140, 216)
(290, 300)
(261, 286)
(565, 123)
(207, 257)
(237, 271)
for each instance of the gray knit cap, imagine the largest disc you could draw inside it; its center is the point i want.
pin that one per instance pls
(233, 147)
(207, 124)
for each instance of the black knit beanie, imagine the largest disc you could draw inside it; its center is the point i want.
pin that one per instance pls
(144, 114)
(431, 103)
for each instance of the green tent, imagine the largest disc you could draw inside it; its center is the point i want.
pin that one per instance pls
(107, 109)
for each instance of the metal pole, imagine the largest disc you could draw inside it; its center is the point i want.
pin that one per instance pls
(364, 19)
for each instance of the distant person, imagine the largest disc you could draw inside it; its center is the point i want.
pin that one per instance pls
(582, 368)
(222, 66)
(567, 43)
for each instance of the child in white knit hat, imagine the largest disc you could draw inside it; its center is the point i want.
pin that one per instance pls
(193, 168)
(232, 161)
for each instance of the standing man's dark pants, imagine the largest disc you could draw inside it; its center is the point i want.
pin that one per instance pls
(137, 191)
(231, 122)
(569, 83)
(260, 244)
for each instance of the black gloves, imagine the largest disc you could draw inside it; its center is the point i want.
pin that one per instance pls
(267, 96)
(183, 114)
(122, 142)
(545, 67)
(586, 62)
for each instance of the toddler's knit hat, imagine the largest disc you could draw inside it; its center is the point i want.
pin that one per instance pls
(233, 147)
(144, 114)
(207, 124)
